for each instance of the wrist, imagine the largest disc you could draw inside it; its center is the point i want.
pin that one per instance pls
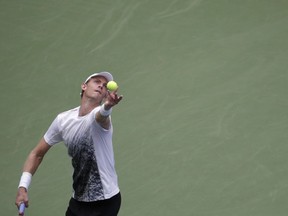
(107, 107)
(105, 110)
(25, 180)
(22, 189)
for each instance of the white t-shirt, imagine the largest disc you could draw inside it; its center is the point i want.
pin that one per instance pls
(90, 147)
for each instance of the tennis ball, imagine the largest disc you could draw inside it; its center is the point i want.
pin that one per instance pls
(112, 86)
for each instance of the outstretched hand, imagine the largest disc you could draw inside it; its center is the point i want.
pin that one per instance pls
(112, 99)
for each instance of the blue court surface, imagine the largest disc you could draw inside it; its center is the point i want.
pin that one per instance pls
(202, 128)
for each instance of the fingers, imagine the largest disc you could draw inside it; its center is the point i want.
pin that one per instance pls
(22, 197)
(113, 98)
(21, 200)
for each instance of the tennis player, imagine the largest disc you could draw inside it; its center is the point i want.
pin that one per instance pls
(87, 132)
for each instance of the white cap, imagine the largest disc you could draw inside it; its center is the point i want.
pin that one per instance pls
(105, 74)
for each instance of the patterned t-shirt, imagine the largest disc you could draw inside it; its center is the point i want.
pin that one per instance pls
(90, 147)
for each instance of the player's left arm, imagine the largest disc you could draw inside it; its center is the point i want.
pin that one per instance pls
(102, 116)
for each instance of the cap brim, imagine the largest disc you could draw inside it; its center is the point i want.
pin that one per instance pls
(105, 74)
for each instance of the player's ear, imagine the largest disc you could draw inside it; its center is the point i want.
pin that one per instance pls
(83, 86)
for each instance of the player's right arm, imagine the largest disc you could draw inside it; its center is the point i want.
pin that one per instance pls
(30, 166)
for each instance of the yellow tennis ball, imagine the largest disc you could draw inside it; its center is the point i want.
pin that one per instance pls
(112, 86)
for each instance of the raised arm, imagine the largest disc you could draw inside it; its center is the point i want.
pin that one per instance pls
(102, 116)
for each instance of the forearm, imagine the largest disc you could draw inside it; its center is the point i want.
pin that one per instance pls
(36, 156)
(30, 166)
(102, 117)
(32, 163)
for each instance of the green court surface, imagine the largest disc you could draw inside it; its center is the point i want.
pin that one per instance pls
(202, 128)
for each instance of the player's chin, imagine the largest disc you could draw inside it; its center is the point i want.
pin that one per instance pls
(97, 91)
(96, 94)
(99, 95)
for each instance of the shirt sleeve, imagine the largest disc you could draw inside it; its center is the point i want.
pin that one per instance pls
(53, 134)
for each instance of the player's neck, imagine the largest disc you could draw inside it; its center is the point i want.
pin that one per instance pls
(87, 105)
